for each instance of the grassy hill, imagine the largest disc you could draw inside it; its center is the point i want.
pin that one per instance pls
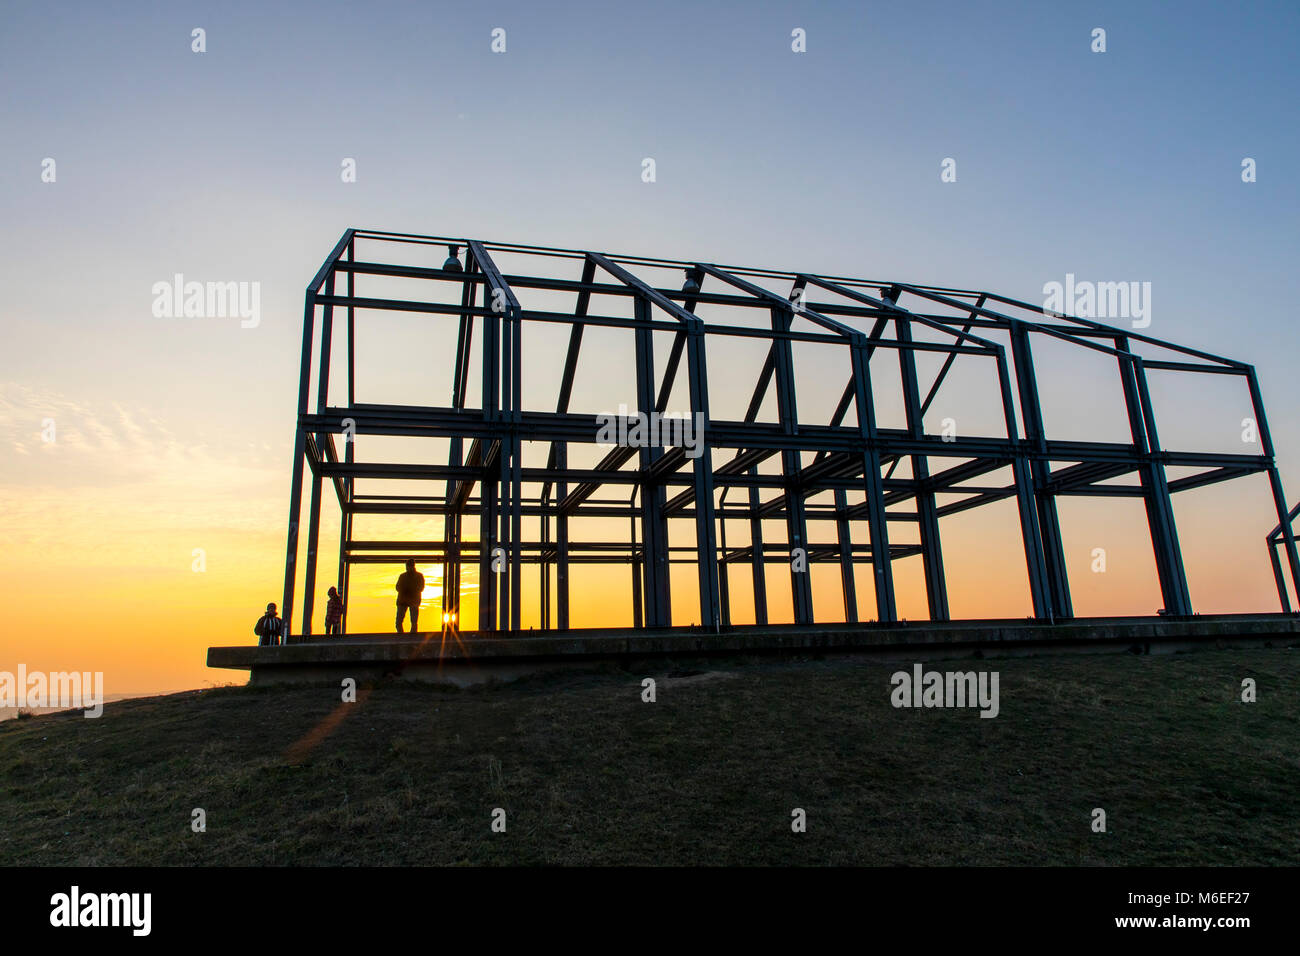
(709, 774)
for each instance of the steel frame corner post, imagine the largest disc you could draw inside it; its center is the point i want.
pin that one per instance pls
(487, 585)
(450, 555)
(844, 539)
(299, 461)
(451, 558)
(506, 505)
(1276, 544)
(1287, 532)
(313, 535)
(654, 530)
(544, 560)
(490, 484)
(638, 570)
(705, 516)
(1048, 523)
(506, 502)
(510, 411)
(457, 491)
(1159, 502)
(1155, 489)
(758, 564)
(322, 402)
(1283, 596)
(300, 433)
(877, 519)
(795, 512)
(936, 588)
(345, 543)
(1035, 562)
(561, 540)
(349, 455)
(451, 522)
(724, 576)
(515, 471)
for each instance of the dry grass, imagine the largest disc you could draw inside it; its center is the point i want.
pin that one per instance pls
(709, 774)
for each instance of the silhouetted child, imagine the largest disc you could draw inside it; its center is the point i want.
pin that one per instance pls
(268, 628)
(333, 613)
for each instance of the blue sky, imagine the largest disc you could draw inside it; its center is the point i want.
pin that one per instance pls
(1117, 165)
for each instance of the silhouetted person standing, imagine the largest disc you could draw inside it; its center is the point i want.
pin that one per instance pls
(268, 628)
(410, 585)
(333, 613)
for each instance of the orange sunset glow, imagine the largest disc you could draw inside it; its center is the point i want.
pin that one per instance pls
(100, 568)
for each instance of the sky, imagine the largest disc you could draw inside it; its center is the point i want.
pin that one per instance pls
(173, 437)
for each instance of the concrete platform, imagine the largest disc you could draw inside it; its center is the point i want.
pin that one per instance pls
(474, 659)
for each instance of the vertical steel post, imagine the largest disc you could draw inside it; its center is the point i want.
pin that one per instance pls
(453, 524)
(516, 467)
(489, 483)
(562, 541)
(349, 454)
(864, 403)
(322, 402)
(487, 578)
(796, 513)
(299, 455)
(705, 535)
(757, 564)
(1049, 526)
(724, 583)
(1159, 504)
(1035, 562)
(936, 588)
(844, 537)
(345, 544)
(653, 523)
(638, 574)
(505, 511)
(1283, 596)
(544, 564)
(313, 534)
(1275, 485)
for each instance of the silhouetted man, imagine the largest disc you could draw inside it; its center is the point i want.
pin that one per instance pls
(410, 585)
(268, 628)
(333, 613)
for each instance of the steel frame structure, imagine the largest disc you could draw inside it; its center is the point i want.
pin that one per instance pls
(724, 486)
